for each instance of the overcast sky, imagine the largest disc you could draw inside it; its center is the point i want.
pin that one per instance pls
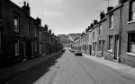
(67, 16)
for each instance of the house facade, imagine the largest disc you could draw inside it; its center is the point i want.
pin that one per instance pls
(113, 37)
(128, 32)
(19, 33)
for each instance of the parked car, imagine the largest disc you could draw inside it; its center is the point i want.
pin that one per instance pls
(78, 53)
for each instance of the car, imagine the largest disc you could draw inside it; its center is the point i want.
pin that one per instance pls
(78, 53)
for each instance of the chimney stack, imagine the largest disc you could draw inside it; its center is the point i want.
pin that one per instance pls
(109, 8)
(102, 15)
(26, 8)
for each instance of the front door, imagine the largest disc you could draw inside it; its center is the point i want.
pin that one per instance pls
(90, 49)
(116, 48)
(103, 44)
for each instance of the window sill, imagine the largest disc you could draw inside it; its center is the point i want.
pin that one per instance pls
(130, 53)
(111, 28)
(132, 21)
(110, 50)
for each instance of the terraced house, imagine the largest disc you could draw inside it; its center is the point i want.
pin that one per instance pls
(128, 32)
(19, 32)
(113, 37)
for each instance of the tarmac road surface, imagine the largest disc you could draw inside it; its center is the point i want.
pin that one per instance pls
(71, 69)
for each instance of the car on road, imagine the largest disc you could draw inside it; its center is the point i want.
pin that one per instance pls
(78, 53)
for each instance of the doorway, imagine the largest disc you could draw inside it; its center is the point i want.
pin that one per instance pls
(116, 48)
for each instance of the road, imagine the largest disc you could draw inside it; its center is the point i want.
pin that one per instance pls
(71, 69)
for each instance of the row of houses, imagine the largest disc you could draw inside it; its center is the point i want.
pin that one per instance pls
(113, 37)
(21, 36)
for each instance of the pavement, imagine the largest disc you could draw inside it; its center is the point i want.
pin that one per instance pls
(30, 70)
(71, 69)
(125, 69)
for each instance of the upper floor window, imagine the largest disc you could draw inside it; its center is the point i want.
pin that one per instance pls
(132, 10)
(1, 9)
(111, 21)
(16, 24)
(93, 35)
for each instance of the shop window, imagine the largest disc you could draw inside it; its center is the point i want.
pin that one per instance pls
(131, 42)
(132, 10)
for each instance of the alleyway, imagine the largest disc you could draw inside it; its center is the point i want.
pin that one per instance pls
(71, 69)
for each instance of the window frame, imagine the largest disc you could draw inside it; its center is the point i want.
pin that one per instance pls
(131, 12)
(110, 45)
(111, 21)
(130, 41)
(16, 24)
(17, 48)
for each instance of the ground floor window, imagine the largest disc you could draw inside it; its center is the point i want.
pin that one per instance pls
(131, 42)
(0, 38)
(110, 44)
(35, 46)
(17, 48)
(100, 45)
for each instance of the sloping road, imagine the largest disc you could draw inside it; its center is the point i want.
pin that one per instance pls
(72, 69)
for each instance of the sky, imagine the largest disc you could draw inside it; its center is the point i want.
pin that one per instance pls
(67, 16)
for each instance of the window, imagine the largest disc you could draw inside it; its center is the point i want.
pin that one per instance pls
(17, 48)
(35, 33)
(16, 24)
(131, 42)
(35, 46)
(0, 9)
(100, 45)
(29, 27)
(0, 38)
(132, 10)
(111, 21)
(93, 35)
(110, 45)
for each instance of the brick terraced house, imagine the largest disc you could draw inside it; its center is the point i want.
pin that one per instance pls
(19, 33)
(113, 37)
